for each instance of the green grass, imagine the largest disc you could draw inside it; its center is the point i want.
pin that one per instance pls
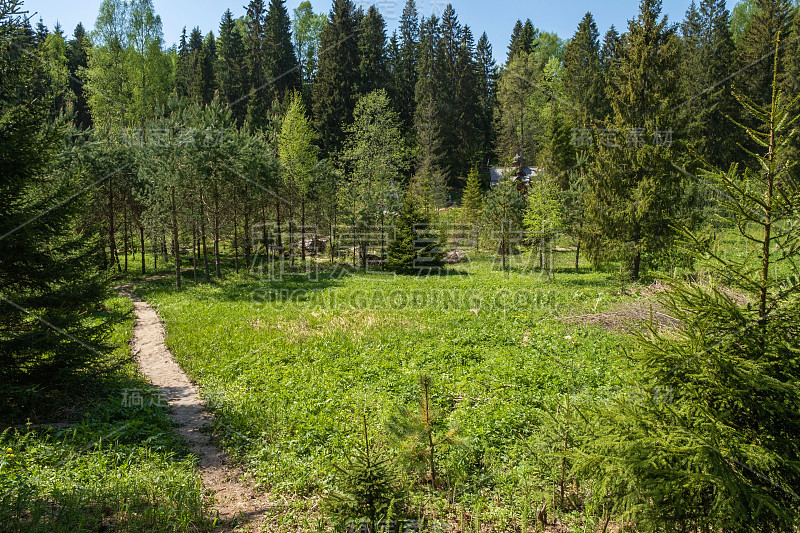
(288, 365)
(118, 467)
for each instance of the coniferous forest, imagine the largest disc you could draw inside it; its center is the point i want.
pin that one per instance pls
(617, 213)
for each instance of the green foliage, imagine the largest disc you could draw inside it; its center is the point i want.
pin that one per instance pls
(634, 189)
(707, 427)
(503, 212)
(366, 487)
(50, 277)
(334, 93)
(418, 432)
(417, 247)
(472, 201)
(118, 463)
(306, 30)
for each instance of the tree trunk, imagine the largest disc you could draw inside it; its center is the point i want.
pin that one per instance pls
(141, 238)
(125, 230)
(248, 238)
(303, 229)
(155, 251)
(235, 239)
(637, 263)
(194, 250)
(279, 239)
(203, 238)
(577, 254)
(218, 272)
(175, 244)
(112, 242)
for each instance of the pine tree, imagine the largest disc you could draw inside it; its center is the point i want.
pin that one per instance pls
(527, 37)
(195, 82)
(337, 78)
(515, 45)
(282, 66)
(183, 71)
(366, 487)
(472, 203)
(413, 251)
(609, 53)
(487, 91)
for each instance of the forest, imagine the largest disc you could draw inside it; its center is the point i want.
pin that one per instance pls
(651, 167)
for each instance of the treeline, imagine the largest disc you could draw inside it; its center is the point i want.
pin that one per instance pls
(618, 129)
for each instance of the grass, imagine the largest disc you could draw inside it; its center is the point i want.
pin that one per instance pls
(289, 364)
(116, 465)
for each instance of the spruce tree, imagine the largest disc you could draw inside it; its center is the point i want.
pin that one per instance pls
(183, 69)
(208, 68)
(472, 204)
(527, 37)
(583, 83)
(230, 70)
(337, 78)
(633, 188)
(373, 73)
(259, 92)
(282, 65)
(515, 45)
(487, 98)
(51, 285)
(704, 438)
(757, 44)
(609, 53)
(405, 72)
(78, 58)
(413, 251)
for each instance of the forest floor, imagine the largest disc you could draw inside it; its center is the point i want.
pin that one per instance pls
(236, 502)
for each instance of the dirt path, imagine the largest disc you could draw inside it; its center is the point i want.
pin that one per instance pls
(239, 505)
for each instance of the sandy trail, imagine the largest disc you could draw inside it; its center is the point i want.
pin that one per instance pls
(239, 505)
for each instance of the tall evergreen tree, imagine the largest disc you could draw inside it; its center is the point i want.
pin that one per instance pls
(527, 37)
(487, 94)
(609, 53)
(78, 60)
(230, 71)
(195, 82)
(283, 68)
(50, 280)
(405, 70)
(337, 76)
(208, 68)
(515, 45)
(373, 71)
(183, 69)
(757, 45)
(633, 188)
(259, 95)
(583, 83)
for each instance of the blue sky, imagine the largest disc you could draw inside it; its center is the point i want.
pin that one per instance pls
(495, 17)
